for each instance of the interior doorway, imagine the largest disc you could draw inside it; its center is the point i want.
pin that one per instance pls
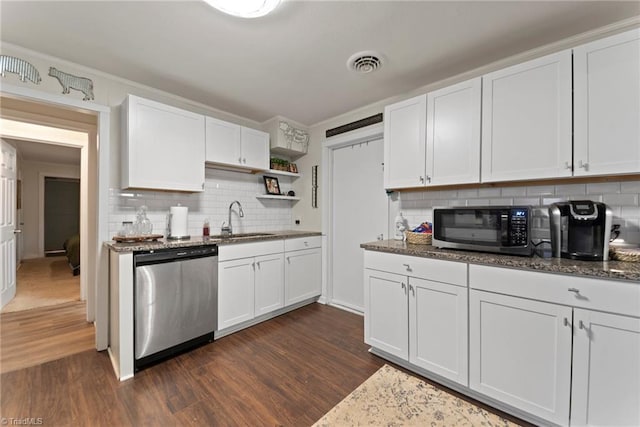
(61, 216)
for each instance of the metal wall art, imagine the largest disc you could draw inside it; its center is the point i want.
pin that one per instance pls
(20, 67)
(69, 81)
(297, 139)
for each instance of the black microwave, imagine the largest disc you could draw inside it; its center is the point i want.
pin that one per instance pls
(500, 229)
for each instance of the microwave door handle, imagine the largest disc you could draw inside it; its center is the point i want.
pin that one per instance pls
(504, 229)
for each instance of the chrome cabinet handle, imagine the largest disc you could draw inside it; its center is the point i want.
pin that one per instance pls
(380, 236)
(244, 160)
(583, 165)
(428, 179)
(421, 179)
(574, 290)
(581, 325)
(239, 159)
(412, 289)
(567, 165)
(289, 260)
(566, 322)
(408, 266)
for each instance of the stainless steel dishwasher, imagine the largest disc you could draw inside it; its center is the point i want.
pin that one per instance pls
(175, 300)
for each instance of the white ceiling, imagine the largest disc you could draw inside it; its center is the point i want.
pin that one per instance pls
(292, 63)
(42, 152)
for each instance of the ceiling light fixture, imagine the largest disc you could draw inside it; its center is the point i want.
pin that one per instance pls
(245, 8)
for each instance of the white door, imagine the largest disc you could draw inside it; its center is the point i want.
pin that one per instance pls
(526, 120)
(255, 148)
(360, 210)
(453, 134)
(404, 143)
(269, 283)
(8, 222)
(520, 353)
(606, 370)
(386, 325)
(607, 105)
(235, 292)
(438, 328)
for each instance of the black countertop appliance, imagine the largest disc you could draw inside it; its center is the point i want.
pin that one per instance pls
(580, 229)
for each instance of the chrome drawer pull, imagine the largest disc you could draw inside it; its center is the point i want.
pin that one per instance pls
(577, 291)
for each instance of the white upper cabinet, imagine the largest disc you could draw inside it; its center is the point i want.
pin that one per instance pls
(234, 145)
(453, 134)
(607, 105)
(526, 120)
(163, 146)
(255, 148)
(404, 143)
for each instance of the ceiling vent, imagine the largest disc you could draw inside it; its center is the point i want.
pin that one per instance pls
(365, 62)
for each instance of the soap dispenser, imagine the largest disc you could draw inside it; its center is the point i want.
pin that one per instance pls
(401, 226)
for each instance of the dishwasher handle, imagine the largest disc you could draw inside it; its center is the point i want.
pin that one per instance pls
(161, 256)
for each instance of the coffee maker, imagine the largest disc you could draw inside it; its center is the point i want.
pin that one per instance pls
(580, 230)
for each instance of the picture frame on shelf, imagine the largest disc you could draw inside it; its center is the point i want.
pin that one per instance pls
(293, 168)
(272, 185)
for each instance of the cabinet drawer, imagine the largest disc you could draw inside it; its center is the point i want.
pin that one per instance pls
(596, 294)
(246, 250)
(437, 270)
(302, 243)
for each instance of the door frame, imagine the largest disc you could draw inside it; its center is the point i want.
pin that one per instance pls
(98, 291)
(369, 133)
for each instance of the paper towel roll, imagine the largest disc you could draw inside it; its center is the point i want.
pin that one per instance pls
(179, 220)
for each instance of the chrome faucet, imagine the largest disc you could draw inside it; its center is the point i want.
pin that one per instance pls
(226, 230)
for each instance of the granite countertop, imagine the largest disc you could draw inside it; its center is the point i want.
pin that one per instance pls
(213, 240)
(618, 270)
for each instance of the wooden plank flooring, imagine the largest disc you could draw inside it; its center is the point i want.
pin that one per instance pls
(32, 337)
(287, 371)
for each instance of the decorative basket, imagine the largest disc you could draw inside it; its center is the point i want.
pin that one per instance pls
(418, 238)
(625, 254)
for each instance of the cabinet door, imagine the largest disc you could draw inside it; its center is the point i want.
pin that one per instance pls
(520, 353)
(235, 292)
(607, 105)
(404, 143)
(303, 275)
(255, 148)
(526, 120)
(606, 370)
(223, 142)
(453, 134)
(386, 325)
(269, 283)
(164, 147)
(438, 328)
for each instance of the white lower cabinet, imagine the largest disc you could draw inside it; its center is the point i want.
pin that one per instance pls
(606, 370)
(235, 292)
(419, 320)
(520, 353)
(269, 280)
(438, 328)
(303, 275)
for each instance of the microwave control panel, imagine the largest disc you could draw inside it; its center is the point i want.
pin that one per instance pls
(519, 227)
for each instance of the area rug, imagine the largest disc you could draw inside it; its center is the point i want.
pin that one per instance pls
(392, 398)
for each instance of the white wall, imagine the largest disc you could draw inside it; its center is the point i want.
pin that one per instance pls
(32, 173)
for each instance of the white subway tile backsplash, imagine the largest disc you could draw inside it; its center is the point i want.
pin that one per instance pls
(221, 188)
(621, 199)
(541, 190)
(571, 189)
(514, 191)
(630, 187)
(603, 188)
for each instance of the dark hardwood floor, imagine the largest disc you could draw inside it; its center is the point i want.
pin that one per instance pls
(288, 371)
